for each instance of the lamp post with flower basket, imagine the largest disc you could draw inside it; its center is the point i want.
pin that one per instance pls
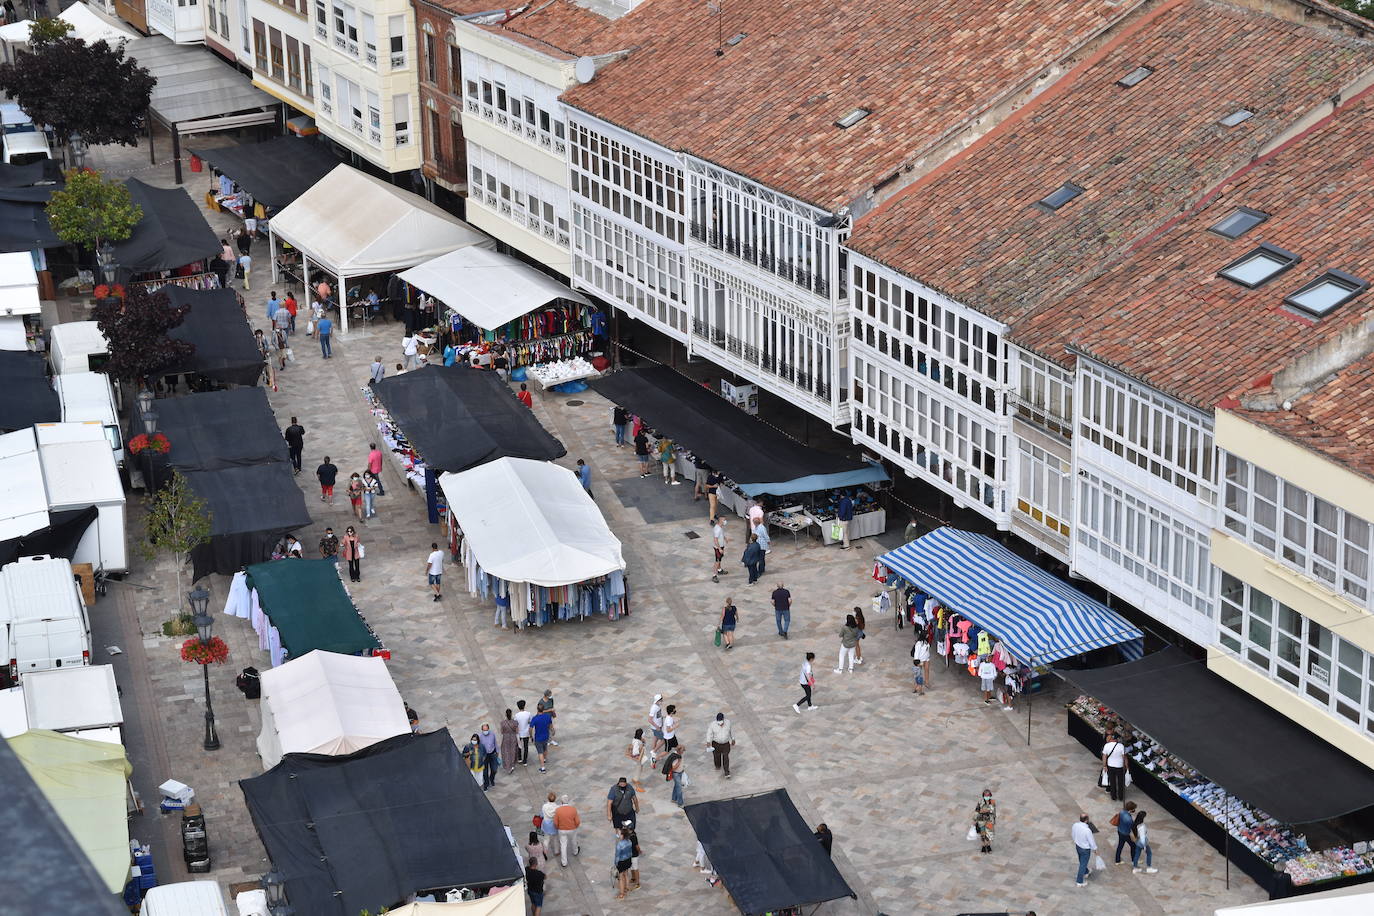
(205, 650)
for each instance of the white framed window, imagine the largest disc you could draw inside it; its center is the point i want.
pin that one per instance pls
(400, 114)
(396, 29)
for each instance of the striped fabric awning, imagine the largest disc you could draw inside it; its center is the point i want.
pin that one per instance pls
(1041, 618)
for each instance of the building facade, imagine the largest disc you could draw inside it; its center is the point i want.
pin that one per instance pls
(183, 21)
(272, 41)
(444, 153)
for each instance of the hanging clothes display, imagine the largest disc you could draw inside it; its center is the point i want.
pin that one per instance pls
(559, 331)
(193, 281)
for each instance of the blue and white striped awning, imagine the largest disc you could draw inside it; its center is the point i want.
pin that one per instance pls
(1041, 618)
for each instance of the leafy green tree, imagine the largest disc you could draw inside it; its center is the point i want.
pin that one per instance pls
(42, 30)
(78, 88)
(178, 522)
(1363, 8)
(90, 210)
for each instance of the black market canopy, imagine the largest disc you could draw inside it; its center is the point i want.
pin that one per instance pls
(226, 350)
(220, 429)
(28, 396)
(758, 457)
(370, 829)
(275, 172)
(172, 233)
(307, 603)
(1249, 749)
(457, 417)
(765, 854)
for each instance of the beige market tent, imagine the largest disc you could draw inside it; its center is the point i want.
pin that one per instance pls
(86, 783)
(509, 902)
(327, 703)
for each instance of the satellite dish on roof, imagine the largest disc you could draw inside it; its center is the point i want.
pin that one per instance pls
(585, 69)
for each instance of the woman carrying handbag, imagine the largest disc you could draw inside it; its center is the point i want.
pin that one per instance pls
(352, 550)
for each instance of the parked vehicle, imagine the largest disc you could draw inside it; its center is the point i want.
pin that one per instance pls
(44, 617)
(79, 470)
(76, 346)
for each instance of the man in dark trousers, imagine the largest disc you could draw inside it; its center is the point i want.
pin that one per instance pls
(295, 442)
(844, 514)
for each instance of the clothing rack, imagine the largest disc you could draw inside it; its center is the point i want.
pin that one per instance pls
(193, 281)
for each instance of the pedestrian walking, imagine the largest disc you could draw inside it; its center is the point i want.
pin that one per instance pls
(807, 680)
(434, 568)
(1124, 822)
(752, 558)
(862, 627)
(548, 832)
(1084, 844)
(729, 618)
(642, 453)
(920, 662)
(718, 544)
(634, 855)
(535, 850)
(824, 837)
(1114, 767)
(410, 352)
(760, 531)
(472, 756)
(355, 494)
(678, 771)
(720, 734)
(372, 486)
(584, 475)
(700, 471)
(374, 464)
(534, 886)
(291, 306)
(849, 640)
(638, 751)
(522, 731)
(295, 443)
(524, 396)
(510, 743)
(245, 268)
(325, 329)
(782, 610)
(329, 546)
(666, 457)
(670, 724)
(377, 371)
(1142, 845)
(244, 238)
(985, 820)
(273, 303)
(713, 482)
(620, 420)
(622, 802)
(656, 726)
(327, 474)
(623, 853)
(545, 704)
(541, 726)
(352, 551)
(567, 820)
(491, 758)
(844, 514)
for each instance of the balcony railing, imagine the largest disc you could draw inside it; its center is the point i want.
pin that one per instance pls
(403, 138)
(398, 61)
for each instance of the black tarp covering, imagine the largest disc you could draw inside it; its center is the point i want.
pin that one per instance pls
(367, 830)
(457, 418)
(172, 233)
(24, 227)
(220, 429)
(44, 171)
(251, 508)
(276, 171)
(765, 854)
(225, 348)
(715, 430)
(27, 397)
(1246, 747)
(60, 538)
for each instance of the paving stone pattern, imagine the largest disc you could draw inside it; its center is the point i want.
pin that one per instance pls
(895, 776)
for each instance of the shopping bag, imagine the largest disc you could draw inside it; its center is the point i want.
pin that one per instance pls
(836, 533)
(310, 327)
(290, 355)
(362, 552)
(685, 781)
(1103, 780)
(717, 635)
(1128, 776)
(1098, 864)
(972, 834)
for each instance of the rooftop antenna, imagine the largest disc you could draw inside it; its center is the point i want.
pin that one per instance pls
(716, 9)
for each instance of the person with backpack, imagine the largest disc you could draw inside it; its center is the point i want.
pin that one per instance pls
(622, 804)
(672, 772)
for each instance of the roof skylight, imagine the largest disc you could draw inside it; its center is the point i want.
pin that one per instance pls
(1239, 116)
(1059, 197)
(1138, 75)
(1259, 266)
(1327, 293)
(853, 117)
(1238, 222)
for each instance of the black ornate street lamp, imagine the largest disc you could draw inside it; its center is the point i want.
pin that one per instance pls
(200, 600)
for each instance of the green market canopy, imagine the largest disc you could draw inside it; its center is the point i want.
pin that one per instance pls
(308, 606)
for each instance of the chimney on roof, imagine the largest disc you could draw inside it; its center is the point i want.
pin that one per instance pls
(1310, 370)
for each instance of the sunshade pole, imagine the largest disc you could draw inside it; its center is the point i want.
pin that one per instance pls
(341, 300)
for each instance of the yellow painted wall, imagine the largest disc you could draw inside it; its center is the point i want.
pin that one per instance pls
(1321, 723)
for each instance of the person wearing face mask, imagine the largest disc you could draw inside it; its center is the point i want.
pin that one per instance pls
(490, 759)
(985, 820)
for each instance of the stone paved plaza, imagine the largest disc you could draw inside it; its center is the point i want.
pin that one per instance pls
(895, 776)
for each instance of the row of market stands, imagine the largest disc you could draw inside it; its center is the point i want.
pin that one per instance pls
(1288, 809)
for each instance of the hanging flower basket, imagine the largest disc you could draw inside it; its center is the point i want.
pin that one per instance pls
(204, 653)
(157, 443)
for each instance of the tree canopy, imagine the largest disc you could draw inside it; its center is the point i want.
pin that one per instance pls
(74, 87)
(90, 210)
(136, 327)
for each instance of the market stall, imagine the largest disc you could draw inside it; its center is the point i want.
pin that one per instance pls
(766, 855)
(171, 244)
(85, 24)
(381, 229)
(1291, 811)
(531, 539)
(327, 703)
(226, 352)
(371, 829)
(255, 180)
(297, 606)
(756, 459)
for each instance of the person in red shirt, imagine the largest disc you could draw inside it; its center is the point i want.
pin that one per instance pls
(291, 307)
(525, 397)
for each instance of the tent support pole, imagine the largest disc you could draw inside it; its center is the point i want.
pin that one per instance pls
(1226, 843)
(176, 153)
(305, 276)
(341, 296)
(1030, 709)
(272, 254)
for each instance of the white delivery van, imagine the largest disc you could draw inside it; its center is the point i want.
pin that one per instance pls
(76, 346)
(185, 898)
(90, 397)
(78, 471)
(44, 616)
(27, 147)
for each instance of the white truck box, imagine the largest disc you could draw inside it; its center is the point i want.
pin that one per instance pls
(71, 345)
(78, 471)
(44, 616)
(185, 898)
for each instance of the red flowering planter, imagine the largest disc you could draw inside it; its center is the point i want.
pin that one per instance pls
(157, 444)
(204, 653)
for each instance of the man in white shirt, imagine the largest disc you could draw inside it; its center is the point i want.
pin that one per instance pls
(1114, 762)
(670, 727)
(434, 566)
(410, 348)
(721, 736)
(1085, 845)
(656, 724)
(522, 732)
(718, 543)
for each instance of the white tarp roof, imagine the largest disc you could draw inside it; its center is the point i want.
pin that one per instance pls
(77, 463)
(185, 898)
(68, 699)
(352, 224)
(1347, 901)
(16, 32)
(197, 90)
(487, 287)
(509, 902)
(87, 25)
(23, 497)
(531, 521)
(326, 703)
(18, 284)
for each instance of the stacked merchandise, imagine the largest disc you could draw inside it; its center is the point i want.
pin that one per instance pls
(869, 517)
(143, 876)
(557, 373)
(556, 332)
(1281, 845)
(175, 796)
(191, 281)
(410, 465)
(195, 842)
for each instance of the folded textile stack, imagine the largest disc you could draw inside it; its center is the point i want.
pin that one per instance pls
(562, 371)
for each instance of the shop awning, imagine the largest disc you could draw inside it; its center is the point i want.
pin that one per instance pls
(172, 233)
(327, 703)
(29, 397)
(1249, 749)
(352, 224)
(310, 608)
(1041, 618)
(766, 855)
(276, 171)
(226, 350)
(756, 456)
(368, 830)
(488, 288)
(197, 91)
(531, 521)
(457, 418)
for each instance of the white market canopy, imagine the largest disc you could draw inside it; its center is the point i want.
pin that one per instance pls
(18, 284)
(488, 288)
(327, 703)
(23, 495)
(531, 521)
(87, 25)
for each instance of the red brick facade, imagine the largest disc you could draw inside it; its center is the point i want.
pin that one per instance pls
(441, 89)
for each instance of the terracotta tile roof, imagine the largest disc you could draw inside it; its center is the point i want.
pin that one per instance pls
(560, 29)
(460, 7)
(767, 107)
(1163, 315)
(970, 228)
